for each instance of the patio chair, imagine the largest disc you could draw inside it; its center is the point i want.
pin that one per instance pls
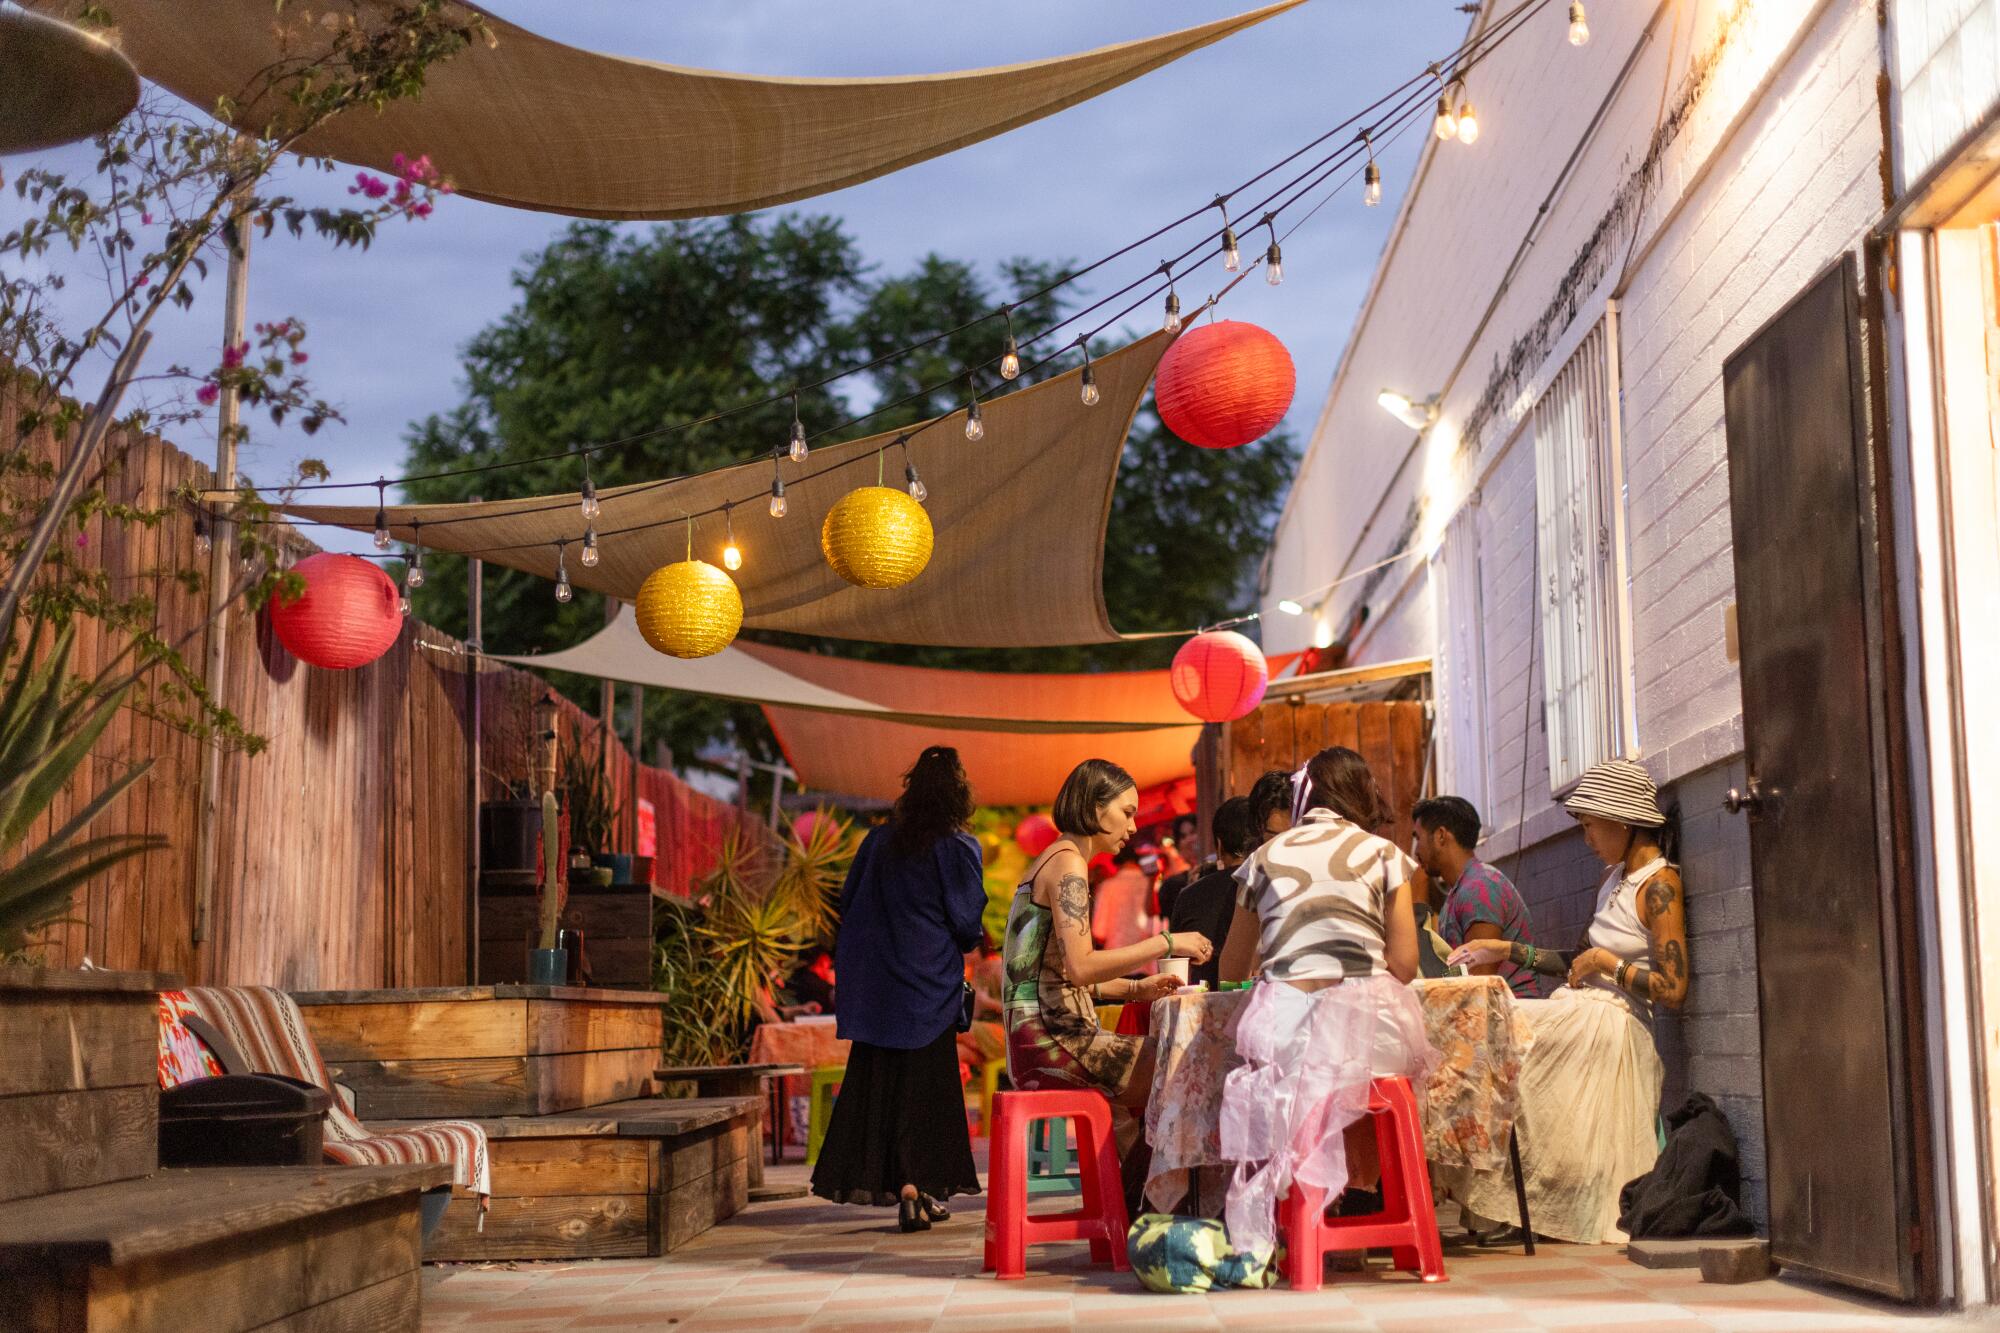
(262, 1029)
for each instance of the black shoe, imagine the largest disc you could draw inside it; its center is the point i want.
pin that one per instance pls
(910, 1215)
(933, 1210)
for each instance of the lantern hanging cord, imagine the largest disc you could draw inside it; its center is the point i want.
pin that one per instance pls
(1467, 54)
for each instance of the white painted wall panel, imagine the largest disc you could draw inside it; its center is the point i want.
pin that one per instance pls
(1946, 63)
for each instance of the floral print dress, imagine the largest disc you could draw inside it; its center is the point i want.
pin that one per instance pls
(1053, 1037)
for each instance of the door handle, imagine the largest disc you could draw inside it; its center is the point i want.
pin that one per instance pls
(1749, 800)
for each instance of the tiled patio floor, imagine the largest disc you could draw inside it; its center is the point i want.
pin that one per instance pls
(807, 1264)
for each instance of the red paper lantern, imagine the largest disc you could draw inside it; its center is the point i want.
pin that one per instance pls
(1219, 676)
(347, 617)
(1224, 384)
(1034, 834)
(804, 825)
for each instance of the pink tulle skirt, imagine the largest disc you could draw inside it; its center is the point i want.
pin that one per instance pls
(1308, 1058)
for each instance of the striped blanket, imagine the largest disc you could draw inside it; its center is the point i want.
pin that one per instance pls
(267, 1028)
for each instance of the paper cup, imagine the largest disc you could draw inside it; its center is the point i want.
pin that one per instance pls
(1176, 968)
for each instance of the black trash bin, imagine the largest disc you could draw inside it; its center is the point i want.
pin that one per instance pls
(243, 1120)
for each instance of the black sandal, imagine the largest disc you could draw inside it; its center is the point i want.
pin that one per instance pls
(934, 1210)
(910, 1215)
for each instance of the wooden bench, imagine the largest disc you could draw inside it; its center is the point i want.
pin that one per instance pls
(221, 1249)
(632, 1179)
(741, 1081)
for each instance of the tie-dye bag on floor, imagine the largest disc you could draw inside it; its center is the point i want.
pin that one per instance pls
(1185, 1255)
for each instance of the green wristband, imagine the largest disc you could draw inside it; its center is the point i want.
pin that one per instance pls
(1168, 936)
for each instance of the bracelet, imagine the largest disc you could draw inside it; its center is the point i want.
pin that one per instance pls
(1618, 976)
(1530, 963)
(1168, 936)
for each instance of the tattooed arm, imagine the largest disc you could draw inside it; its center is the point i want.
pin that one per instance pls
(1663, 911)
(1083, 963)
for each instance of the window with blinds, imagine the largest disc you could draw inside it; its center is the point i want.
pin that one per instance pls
(1458, 666)
(1580, 541)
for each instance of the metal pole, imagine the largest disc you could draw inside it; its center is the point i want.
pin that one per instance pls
(638, 741)
(777, 790)
(222, 550)
(475, 640)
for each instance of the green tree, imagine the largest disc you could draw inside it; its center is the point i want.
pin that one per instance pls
(619, 332)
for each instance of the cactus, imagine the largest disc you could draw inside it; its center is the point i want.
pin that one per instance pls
(552, 871)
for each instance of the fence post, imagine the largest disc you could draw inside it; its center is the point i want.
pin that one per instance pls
(475, 643)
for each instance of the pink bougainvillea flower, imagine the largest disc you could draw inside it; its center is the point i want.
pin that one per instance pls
(421, 210)
(232, 357)
(146, 219)
(371, 186)
(145, 280)
(298, 358)
(208, 393)
(82, 540)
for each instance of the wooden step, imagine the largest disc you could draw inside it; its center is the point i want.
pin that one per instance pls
(224, 1249)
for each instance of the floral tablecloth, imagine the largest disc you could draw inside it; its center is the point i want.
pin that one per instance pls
(808, 1044)
(1469, 1101)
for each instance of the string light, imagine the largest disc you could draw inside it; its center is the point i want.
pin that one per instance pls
(732, 556)
(1579, 27)
(1371, 179)
(381, 515)
(975, 426)
(777, 491)
(1468, 123)
(589, 555)
(563, 592)
(403, 596)
(588, 499)
(203, 542)
(798, 448)
(413, 576)
(1291, 608)
(1274, 258)
(918, 491)
(1010, 360)
(1088, 392)
(1232, 255)
(1446, 124)
(1172, 322)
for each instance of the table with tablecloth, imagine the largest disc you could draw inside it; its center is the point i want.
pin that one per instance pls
(808, 1044)
(1469, 1101)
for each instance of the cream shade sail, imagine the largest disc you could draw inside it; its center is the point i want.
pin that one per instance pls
(1019, 519)
(532, 123)
(1079, 703)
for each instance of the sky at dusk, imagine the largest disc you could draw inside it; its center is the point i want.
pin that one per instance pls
(386, 326)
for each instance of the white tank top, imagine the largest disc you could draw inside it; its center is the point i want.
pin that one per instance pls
(1616, 928)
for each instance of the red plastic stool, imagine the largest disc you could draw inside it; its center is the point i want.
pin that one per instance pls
(1407, 1224)
(1101, 1218)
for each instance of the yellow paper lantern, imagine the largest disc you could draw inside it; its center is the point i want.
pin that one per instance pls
(689, 609)
(877, 537)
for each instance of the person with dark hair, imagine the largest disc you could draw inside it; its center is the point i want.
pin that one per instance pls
(1206, 905)
(1271, 804)
(1324, 912)
(811, 982)
(1479, 902)
(909, 911)
(1590, 1083)
(1056, 975)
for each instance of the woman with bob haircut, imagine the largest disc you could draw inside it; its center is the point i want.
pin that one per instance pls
(909, 910)
(1056, 976)
(1324, 917)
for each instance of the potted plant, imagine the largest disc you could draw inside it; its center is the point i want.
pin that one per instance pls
(594, 814)
(509, 826)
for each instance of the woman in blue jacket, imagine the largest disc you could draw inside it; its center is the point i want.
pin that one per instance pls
(909, 911)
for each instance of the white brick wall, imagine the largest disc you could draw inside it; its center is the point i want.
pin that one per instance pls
(1946, 64)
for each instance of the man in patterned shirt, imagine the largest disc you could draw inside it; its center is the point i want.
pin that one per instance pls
(1479, 903)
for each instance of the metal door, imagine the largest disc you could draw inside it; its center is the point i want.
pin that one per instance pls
(1837, 1106)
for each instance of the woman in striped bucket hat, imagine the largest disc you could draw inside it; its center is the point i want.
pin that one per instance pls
(1590, 1084)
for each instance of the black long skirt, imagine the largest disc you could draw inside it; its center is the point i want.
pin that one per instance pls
(899, 1120)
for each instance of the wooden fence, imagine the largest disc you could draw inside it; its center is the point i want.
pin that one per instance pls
(342, 849)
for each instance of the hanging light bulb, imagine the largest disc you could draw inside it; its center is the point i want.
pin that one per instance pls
(975, 425)
(1274, 264)
(589, 556)
(203, 542)
(1322, 631)
(1468, 124)
(1010, 360)
(1088, 391)
(414, 576)
(563, 592)
(1232, 254)
(1172, 322)
(732, 557)
(1446, 124)
(403, 599)
(1579, 27)
(1291, 607)
(1371, 191)
(798, 448)
(587, 499)
(918, 491)
(777, 497)
(381, 517)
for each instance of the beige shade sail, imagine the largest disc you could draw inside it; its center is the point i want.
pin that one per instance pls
(1084, 703)
(532, 123)
(1019, 519)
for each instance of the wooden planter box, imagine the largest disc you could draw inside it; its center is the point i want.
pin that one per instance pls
(631, 1180)
(79, 1078)
(471, 1051)
(616, 922)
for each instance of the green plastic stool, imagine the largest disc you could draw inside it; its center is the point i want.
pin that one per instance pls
(1048, 1160)
(819, 1107)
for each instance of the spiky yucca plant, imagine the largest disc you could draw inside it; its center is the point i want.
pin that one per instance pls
(47, 725)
